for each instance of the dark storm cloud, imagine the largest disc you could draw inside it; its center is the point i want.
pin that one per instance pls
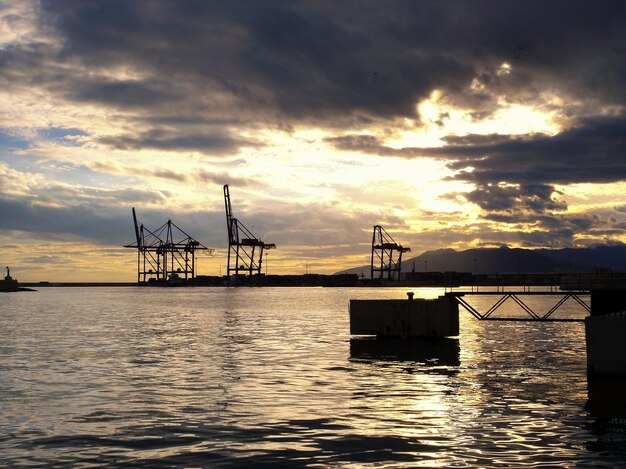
(218, 143)
(125, 94)
(297, 60)
(594, 151)
(333, 60)
(533, 198)
(248, 64)
(515, 177)
(172, 68)
(102, 223)
(85, 222)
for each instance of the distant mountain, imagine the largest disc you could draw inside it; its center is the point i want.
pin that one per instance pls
(585, 260)
(507, 260)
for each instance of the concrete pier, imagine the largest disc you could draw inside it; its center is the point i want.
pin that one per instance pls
(607, 301)
(605, 328)
(435, 318)
(606, 395)
(606, 344)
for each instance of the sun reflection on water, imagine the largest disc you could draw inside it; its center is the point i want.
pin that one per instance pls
(217, 376)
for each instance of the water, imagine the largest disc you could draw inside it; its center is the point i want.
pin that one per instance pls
(212, 377)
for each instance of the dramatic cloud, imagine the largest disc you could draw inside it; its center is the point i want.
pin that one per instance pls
(453, 123)
(216, 144)
(88, 223)
(593, 151)
(532, 198)
(520, 172)
(299, 61)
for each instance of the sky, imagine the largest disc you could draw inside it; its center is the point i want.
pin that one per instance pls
(453, 124)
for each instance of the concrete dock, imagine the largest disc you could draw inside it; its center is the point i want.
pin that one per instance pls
(606, 343)
(436, 318)
(605, 328)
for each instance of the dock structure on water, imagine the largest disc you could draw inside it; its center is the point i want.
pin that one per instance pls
(502, 297)
(605, 318)
(605, 327)
(436, 318)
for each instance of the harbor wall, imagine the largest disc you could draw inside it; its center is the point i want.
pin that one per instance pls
(405, 318)
(605, 301)
(606, 344)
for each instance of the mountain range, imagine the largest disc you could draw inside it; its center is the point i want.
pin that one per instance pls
(513, 260)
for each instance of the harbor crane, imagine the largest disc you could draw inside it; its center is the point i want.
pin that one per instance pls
(166, 255)
(245, 251)
(386, 254)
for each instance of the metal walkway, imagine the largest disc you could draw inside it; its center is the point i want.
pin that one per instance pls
(515, 296)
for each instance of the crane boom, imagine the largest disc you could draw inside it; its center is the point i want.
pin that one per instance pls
(229, 213)
(245, 251)
(136, 228)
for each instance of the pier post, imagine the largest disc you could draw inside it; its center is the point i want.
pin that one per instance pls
(436, 318)
(605, 332)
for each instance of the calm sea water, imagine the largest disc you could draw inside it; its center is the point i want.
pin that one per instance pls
(211, 377)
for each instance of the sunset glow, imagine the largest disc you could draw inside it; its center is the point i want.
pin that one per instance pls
(318, 130)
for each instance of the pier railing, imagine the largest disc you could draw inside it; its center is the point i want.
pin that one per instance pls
(516, 296)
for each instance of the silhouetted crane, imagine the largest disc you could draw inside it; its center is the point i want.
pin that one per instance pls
(383, 250)
(245, 251)
(162, 258)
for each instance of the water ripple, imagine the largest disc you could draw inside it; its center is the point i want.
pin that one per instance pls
(199, 377)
